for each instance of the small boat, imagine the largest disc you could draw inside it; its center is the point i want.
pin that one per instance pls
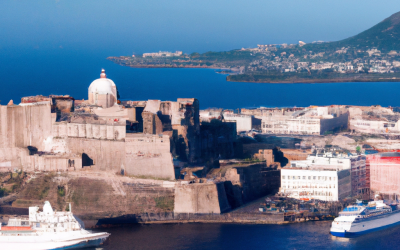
(48, 230)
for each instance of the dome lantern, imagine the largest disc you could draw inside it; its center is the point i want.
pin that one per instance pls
(103, 73)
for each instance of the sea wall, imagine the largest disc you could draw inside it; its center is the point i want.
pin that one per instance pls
(169, 217)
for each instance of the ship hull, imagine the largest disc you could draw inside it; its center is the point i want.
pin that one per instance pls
(354, 229)
(40, 242)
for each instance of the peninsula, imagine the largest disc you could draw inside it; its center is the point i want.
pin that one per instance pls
(371, 56)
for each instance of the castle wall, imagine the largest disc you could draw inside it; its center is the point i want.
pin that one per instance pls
(96, 131)
(148, 155)
(27, 125)
(55, 163)
(106, 155)
(15, 126)
(19, 158)
(104, 145)
(254, 181)
(11, 158)
(38, 125)
(201, 198)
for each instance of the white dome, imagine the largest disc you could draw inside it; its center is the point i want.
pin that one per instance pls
(102, 86)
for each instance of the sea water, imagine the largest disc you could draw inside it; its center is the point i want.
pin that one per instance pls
(307, 235)
(70, 72)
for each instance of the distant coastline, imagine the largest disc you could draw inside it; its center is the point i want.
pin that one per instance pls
(229, 78)
(235, 75)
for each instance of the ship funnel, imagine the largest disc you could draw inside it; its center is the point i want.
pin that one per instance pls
(47, 209)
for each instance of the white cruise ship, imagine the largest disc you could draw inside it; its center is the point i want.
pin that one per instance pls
(360, 219)
(47, 230)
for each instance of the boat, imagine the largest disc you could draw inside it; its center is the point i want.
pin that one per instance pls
(364, 218)
(48, 229)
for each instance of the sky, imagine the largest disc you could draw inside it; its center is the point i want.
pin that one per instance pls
(123, 27)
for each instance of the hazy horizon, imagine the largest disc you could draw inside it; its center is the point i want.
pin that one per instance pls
(126, 27)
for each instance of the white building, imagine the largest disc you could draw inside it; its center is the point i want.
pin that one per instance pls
(315, 183)
(311, 121)
(374, 125)
(327, 176)
(283, 125)
(163, 54)
(243, 122)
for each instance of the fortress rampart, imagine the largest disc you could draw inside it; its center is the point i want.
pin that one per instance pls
(31, 139)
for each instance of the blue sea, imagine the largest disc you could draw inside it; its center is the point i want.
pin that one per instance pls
(308, 235)
(68, 71)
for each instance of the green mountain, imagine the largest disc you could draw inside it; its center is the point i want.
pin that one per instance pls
(385, 36)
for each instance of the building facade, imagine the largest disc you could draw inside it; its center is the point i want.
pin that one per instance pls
(315, 183)
(310, 121)
(355, 164)
(385, 174)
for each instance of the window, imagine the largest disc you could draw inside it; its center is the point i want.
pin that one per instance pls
(298, 177)
(314, 177)
(329, 178)
(289, 177)
(309, 177)
(304, 177)
(283, 177)
(319, 177)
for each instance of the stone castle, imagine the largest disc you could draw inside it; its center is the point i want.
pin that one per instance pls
(59, 133)
(102, 141)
